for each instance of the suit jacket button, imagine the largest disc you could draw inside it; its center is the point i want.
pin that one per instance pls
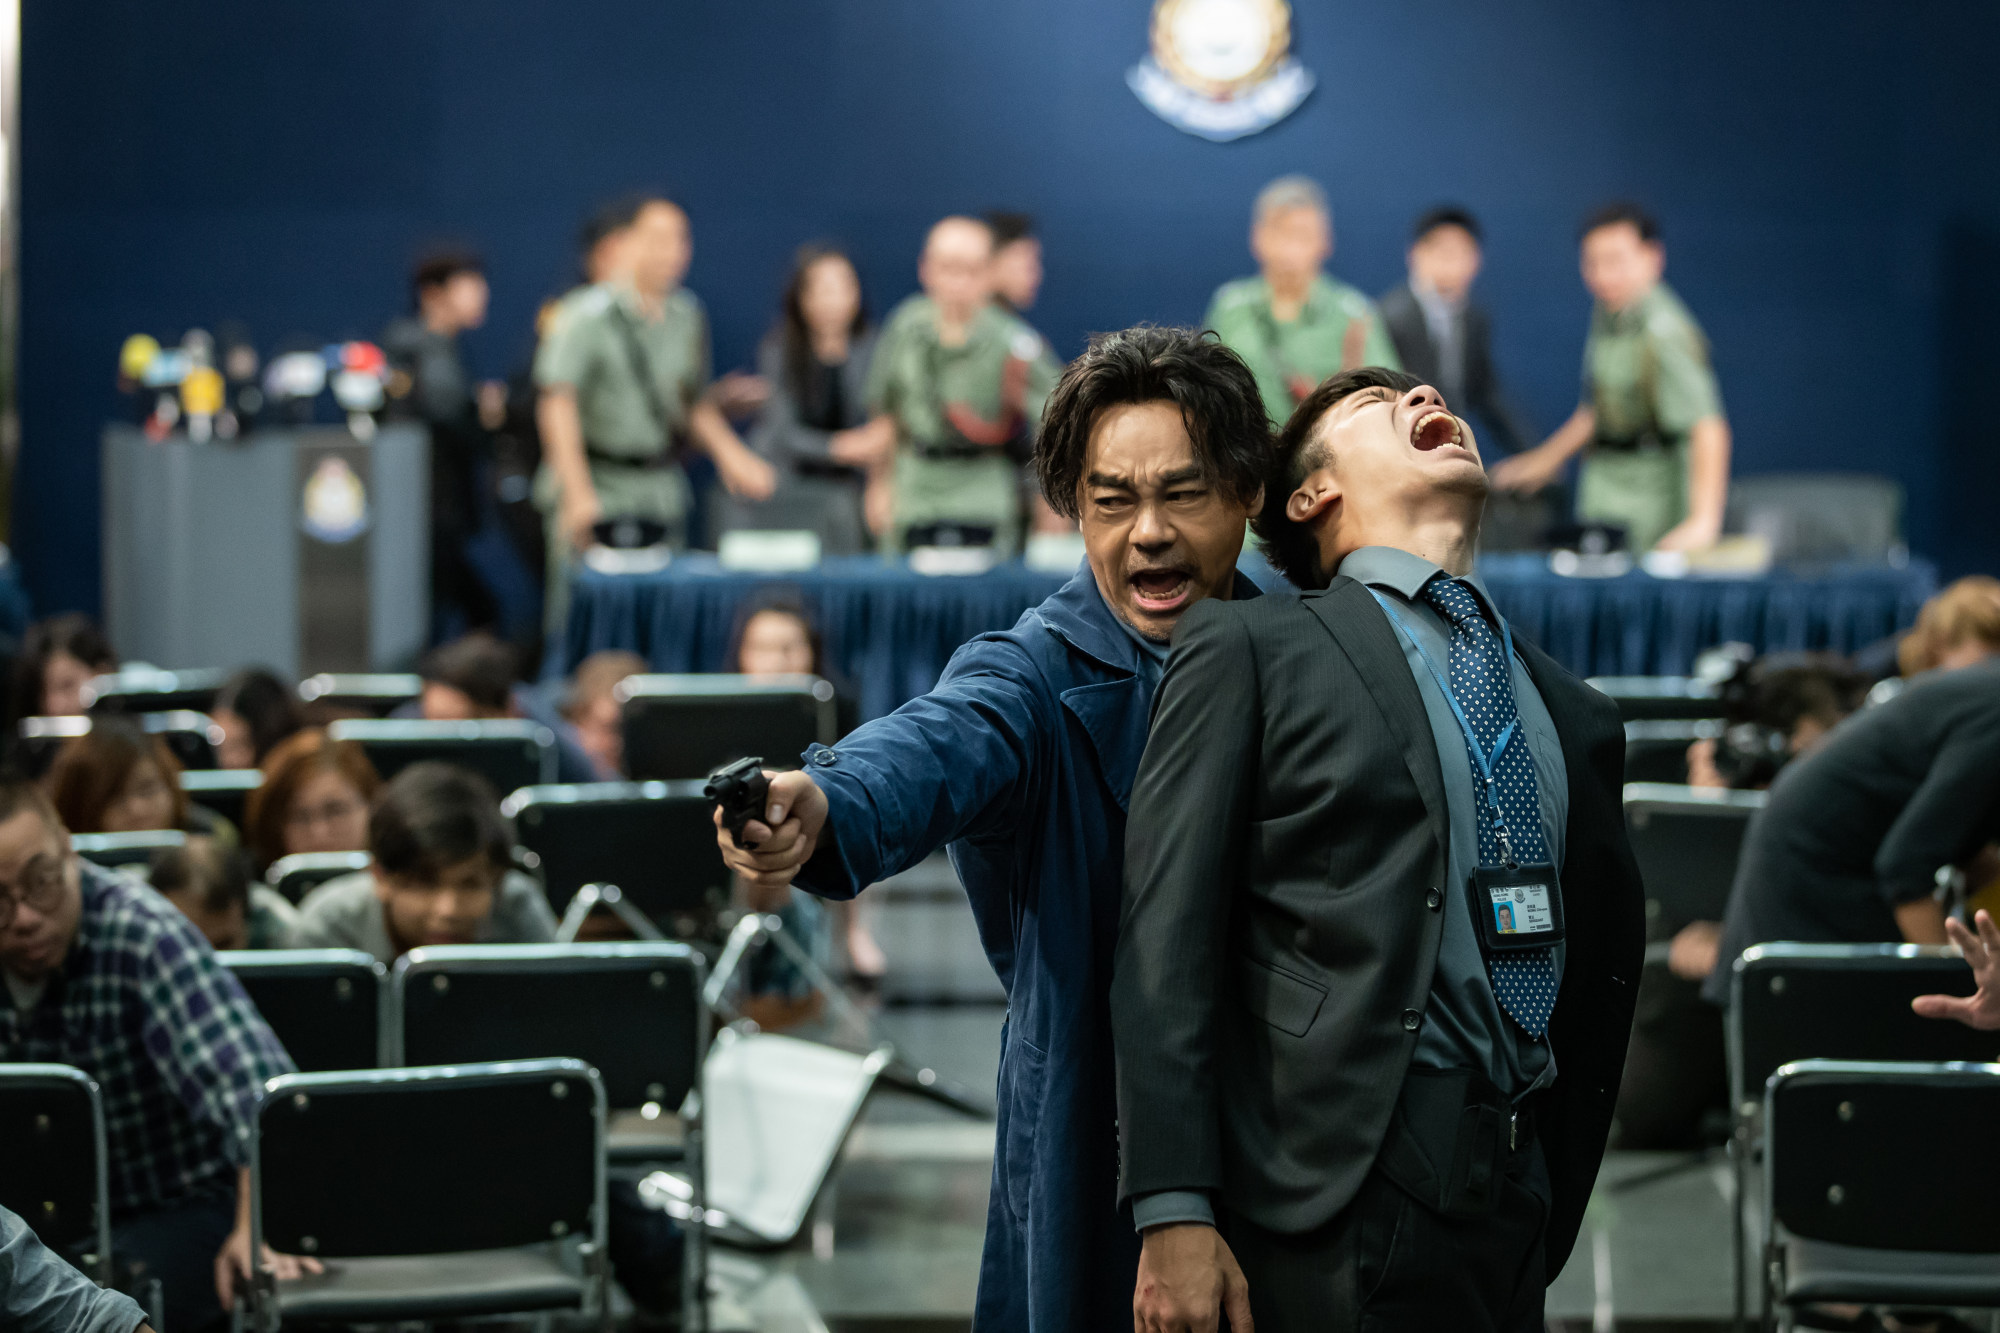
(1434, 900)
(1411, 1020)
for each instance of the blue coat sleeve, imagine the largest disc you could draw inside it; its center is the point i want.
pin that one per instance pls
(955, 763)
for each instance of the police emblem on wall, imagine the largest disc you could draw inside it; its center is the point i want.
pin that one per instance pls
(1221, 69)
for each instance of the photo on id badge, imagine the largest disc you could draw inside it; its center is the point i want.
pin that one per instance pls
(1522, 909)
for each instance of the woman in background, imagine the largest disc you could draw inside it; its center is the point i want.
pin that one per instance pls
(117, 779)
(315, 798)
(58, 657)
(814, 428)
(775, 636)
(255, 710)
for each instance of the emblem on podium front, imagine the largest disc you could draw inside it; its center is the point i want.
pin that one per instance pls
(335, 506)
(1221, 69)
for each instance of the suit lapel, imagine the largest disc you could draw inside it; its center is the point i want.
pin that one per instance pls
(1559, 691)
(1361, 628)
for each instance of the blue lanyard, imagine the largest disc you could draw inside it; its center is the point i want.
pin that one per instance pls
(1486, 761)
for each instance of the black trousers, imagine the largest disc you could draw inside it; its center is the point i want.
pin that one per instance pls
(1389, 1264)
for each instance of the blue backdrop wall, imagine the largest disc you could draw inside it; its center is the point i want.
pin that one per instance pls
(1829, 178)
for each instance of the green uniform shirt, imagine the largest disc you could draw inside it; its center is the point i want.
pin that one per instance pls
(1289, 360)
(587, 348)
(956, 410)
(1646, 373)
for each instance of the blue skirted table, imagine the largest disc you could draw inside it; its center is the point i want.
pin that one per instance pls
(889, 631)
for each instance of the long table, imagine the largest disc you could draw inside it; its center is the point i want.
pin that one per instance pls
(889, 631)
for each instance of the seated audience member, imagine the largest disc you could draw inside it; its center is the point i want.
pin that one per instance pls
(58, 657)
(593, 713)
(1957, 627)
(39, 1293)
(815, 427)
(442, 874)
(211, 885)
(314, 798)
(255, 710)
(474, 678)
(117, 779)
(1848, 847)
(775, 636)
(1776, 708)
(102, 973)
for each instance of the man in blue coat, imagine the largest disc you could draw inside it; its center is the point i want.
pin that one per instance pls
(1022, 760)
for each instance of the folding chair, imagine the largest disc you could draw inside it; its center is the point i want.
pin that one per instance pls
(1875, 1190)
(1642, 698)
(507, 752)
(299, 874)
(432, 1194)
(225, 791)
(55, 1171)
(1656, 749)
(684, 727)
(193, 738)
(1790, 1002)
(634, 1012)
(324, 1004)
(1687, 841)
(147, 690)
(646, 850)
(362, 694)
(116, 851)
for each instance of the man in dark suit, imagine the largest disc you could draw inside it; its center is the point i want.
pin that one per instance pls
(1442, 335)
(1347, 1090)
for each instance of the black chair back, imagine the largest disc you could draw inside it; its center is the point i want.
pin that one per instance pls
(507, 752)
(225, 791)
(1884, 1156)
(1687, 841)
(149, 691)
(361, 694)
(118, 850)
(191, 736)
(633, 1012)
(685, 727)
(53, 1169)
(1793, 1002)
(299, 874)
(1642, 698)
(1656, 750)
(324, 1004)
(430, 1161)
(654, 840)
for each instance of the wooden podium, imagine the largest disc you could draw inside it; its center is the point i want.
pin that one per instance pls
(302, 550)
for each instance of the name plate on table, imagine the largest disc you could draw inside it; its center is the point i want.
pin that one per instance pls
(772, 552)
(953, 559)
(623, 560)
(1053, 552)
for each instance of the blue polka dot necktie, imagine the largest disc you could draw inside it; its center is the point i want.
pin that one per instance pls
(1524, 981)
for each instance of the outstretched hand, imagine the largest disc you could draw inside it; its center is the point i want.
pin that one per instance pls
(776, 846)
(1982, 950)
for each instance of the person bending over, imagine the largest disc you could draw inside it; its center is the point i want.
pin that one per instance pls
(102, 973)
(441, 874)
(210, 884)
(1381, 926)
(1021, 761)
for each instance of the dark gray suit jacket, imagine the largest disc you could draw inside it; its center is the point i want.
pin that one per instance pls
(1288, 828)
(1481, 394)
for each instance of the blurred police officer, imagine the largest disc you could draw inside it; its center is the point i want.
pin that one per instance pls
(1655, 443)
(1292, 323)
(624, 376)
(963, 381)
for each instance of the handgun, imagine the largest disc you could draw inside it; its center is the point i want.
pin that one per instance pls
(742, 790)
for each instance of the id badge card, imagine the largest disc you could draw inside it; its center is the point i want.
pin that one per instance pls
(1518, 907)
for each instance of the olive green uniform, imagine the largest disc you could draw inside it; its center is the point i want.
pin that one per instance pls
(1646, 373)
(599, 342)
(1290, 359)
(962, 414)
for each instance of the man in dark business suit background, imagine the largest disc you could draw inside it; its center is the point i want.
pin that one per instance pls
(1443, 336)
(1344, 1092)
